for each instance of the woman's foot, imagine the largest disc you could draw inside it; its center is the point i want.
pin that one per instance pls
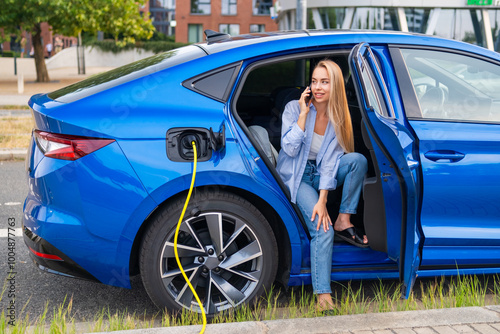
(350, 235)
(325, 302)
(342, 224)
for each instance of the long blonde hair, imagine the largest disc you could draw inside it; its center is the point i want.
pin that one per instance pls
(338, 111)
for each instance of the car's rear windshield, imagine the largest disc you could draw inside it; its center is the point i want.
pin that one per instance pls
(123, 74)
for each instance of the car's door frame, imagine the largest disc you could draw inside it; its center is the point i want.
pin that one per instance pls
(396, 143)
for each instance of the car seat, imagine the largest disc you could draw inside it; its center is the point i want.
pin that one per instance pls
(261, 135)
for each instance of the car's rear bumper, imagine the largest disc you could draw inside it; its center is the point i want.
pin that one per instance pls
(50, 259)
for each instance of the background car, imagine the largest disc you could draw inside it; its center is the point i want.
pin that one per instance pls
(110, 165)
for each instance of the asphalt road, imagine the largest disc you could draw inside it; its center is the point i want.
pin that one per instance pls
(33, 288)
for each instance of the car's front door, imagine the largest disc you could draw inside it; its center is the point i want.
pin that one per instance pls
(458, 127)
(393, 148)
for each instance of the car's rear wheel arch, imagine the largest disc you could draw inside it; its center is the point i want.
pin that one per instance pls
(279, 230)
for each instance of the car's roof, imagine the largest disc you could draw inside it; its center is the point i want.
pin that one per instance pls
(339, 36)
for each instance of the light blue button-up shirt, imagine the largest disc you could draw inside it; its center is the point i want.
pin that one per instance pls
(295, 147)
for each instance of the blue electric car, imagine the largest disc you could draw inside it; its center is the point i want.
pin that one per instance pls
(111, 161)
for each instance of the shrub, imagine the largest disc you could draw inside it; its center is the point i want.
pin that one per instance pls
(10, 53)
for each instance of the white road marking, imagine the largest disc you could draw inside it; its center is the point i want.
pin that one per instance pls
(4, 232)
(13, 203)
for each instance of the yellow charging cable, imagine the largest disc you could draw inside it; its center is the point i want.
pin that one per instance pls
(177, 235)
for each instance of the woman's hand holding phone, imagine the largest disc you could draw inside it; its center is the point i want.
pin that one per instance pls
(305, 103)
(309, 97)
(305, 100)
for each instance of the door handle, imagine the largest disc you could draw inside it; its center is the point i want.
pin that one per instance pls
(444, 156)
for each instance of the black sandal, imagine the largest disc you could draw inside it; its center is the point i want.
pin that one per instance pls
(348, 234)
(328, 313)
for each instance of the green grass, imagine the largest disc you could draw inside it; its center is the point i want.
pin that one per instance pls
(15, 131)
(349, 298)
(387, 296)
(14, 107)
(496, 289)
(461, 292)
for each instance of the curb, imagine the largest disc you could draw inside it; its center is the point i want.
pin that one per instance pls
(13, 154)
(427, 321)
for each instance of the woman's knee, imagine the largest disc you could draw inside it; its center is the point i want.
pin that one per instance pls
(357, 161)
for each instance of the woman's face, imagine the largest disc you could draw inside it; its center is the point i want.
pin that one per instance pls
(320, 85)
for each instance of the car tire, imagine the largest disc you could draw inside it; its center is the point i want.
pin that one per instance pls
(226, 247)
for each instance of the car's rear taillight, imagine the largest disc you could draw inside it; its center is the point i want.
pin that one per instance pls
(68, 147)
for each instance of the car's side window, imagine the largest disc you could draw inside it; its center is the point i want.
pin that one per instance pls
(215, 84)
(374, 94)
(265, 92)
(454, 86)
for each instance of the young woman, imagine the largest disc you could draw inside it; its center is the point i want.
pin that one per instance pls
(317, 156)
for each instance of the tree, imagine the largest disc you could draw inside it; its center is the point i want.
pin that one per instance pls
(121, 18)
(16, 16)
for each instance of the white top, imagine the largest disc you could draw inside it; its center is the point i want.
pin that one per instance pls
(316, 142)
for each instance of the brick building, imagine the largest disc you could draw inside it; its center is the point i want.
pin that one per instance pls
(229, 16)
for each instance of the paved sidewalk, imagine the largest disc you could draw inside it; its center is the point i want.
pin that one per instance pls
(483, 320)
(9, 95)
(61, 77)
(14, 100)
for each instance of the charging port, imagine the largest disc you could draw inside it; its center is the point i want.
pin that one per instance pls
(180, 149)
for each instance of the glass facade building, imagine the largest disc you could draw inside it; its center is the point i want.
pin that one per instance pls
(472, 21)
(163, 15)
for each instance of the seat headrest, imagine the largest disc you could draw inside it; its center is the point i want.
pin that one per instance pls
(284, 95)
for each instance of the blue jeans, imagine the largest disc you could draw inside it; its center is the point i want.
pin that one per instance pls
(351, 172)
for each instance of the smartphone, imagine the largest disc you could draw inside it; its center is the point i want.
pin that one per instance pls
(310, 97)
